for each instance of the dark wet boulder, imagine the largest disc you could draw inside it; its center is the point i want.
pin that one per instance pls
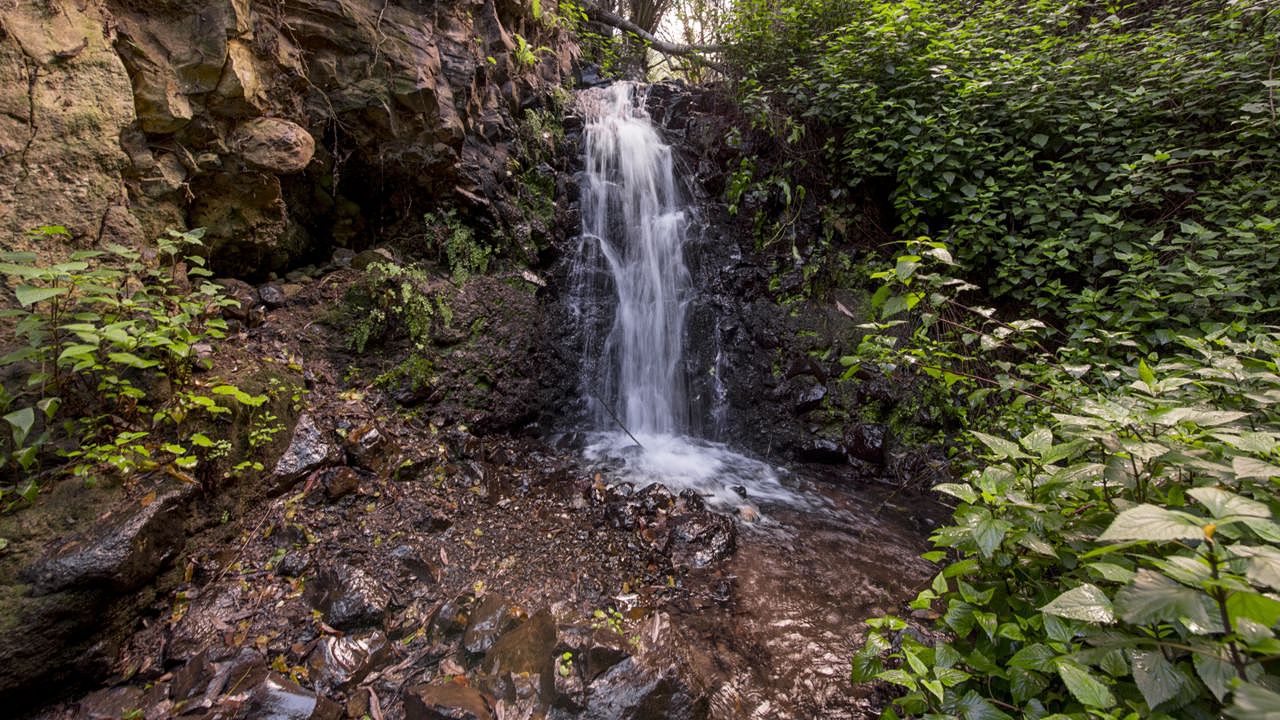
(339, 482)
(866, 442)
(272, 296)
(631, 691)
(494, 616)
(445, 701)
(277, 698)
(369, 448)
(245, 297)
(450, 620)
(119, 554)
(809, 398)
(109, 704)
(349, 597)
(311, 448)
(590, 651)
(821, 451)
(699, 540)
(522, 660)
(339, 663)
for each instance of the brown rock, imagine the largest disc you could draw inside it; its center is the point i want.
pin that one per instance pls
(274, 145)
(445, 701)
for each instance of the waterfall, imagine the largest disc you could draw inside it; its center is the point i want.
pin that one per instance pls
(634, 221)
(629, 294)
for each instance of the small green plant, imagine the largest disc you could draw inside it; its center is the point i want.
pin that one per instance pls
(526, 55)
(394, 298)
(110, 344)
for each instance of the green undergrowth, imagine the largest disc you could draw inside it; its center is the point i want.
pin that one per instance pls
(1114, 550)
(110, 375)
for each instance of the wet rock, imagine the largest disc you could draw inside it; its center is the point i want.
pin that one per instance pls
(272, 296)
(630, 690)
(364, 259)
(110, 704)
(822, 451)
(121, 553)
(866, 442)
(416, 564)
(701, 539)
(810, 398)
(194, 678)
(450, 620)
(494, 615)
(525, 657)
(293, 564)
(349, 597)
(592, 651)
(277, 698)
(653, 499)
(445, 701)
(340, 482)
(310, 449)
(339, 663)
(368, 447)
(274, 145)
(245, 296)
(433, 520)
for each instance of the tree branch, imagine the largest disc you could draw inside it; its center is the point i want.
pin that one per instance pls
(612, 19)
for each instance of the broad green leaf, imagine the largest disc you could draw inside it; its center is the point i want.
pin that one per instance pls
(1247, 467)
(1216, 673)
(1038, 441)
(72, 351)
(1255, 606)
(957, 490)
(973, 706)
(1086, 602)
(1144, 372)
(1263, 566)
(1112, 572)
(1025, 684)
(131, 360)
(988, 533)
(1001, 447)
(1034, 657)
(1222, 503)
(1155, 598)
(21, 422)
(1254, 702)
(1149, 522)
(29, 294)
(1156, 678)
(1084, 685)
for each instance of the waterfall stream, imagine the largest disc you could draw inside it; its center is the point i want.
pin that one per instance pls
(630, 293)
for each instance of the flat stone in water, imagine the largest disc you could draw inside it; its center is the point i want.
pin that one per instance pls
(445, 701)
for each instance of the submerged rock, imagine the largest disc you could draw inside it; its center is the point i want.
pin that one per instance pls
(701, 539)
(445, 701)
(495, 615)
(522, 661)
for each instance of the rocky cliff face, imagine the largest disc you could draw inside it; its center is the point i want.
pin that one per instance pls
(285, 128)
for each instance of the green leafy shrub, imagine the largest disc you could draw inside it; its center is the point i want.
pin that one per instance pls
(104, 375)
(1114, 165)
(1113, 550)
(394, 299)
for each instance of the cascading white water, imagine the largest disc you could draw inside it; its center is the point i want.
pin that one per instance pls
(630, 276)
(632, 216)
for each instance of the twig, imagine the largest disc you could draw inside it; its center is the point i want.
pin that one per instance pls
(614, 415)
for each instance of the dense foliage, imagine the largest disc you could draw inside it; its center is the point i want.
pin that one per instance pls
(107, 374)
(1105, 178)
(1114, 164)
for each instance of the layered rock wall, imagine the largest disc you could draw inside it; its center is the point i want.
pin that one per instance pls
(285, 128)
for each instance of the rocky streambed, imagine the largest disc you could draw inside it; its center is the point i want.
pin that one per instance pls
(394, 564)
